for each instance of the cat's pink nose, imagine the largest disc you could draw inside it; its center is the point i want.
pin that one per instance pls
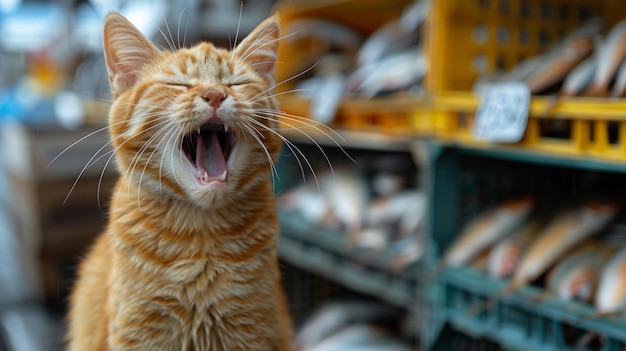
(213, 96)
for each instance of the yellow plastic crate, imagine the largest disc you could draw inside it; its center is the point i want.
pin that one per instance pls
(393, 116)
(465, 38)
(594, 128)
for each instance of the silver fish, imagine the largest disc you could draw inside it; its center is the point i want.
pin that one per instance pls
(488, 228)
(329, 32)
(334, 316)
(408, 208)
(327, 97)
(395, 35)
(306, 200)
(360, 337)
(348, 195)
(580, 77)
(620, 81)
(388, 39)
(560, 64)
(611, 294)
(394, 72)
(610, 56)
(505, 256)
(577, 276)
(563, 233)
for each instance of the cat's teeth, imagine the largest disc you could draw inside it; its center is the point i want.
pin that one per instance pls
(198, 130)
(222, 176)
(225, 128)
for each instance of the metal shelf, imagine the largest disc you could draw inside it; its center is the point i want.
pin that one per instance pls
(525, 319)
(323, 252)
(520, 155)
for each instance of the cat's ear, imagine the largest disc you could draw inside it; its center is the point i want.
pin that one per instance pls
(126, 52)
(260, 48)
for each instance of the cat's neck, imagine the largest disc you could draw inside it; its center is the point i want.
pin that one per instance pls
(181, 216)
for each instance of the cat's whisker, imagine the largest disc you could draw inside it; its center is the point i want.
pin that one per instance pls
(310, 123)
(234, 44)
(257, 136)
(256, 46)
(279, 94)
(167, 41)
(303, 133)
(112, 152)
(180, 135)
(291, 146)
(135, 157)
(296, 76)
(163, 158)
(147, 162)
(99, 130)
(89, 163)
(144, 147)
(180, 18)
(170, 39)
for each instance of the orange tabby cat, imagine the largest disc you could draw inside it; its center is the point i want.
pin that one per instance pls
(188, 260)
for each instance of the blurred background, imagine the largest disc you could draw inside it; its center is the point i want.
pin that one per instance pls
(451, 176)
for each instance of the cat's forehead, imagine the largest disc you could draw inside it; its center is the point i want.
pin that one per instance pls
(203, 61)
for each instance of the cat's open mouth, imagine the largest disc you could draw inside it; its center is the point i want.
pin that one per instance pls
(208, 149)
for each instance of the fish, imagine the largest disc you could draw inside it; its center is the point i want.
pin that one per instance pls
(408, 208)
(332, 33)
(560, 64)
(347, 195)
(519, 73)
(395, 35)
(619, 87)
(577, 276)
(480, 262)
(397, 71)
(580, 77)
(388, 184)
(406, 251)
(307, 201)
(336, 315)
(569, 52)
(388, 39)
(374, 239)
(545, 70)
(361, 337)
(611, 294)
(327, 96)
(505, 256)
(415, 14)
(609, 58)
(560, 235)
(487, 229)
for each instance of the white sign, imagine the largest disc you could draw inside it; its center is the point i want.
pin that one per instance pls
(502, 112)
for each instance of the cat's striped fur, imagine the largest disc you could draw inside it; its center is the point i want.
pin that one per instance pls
(188, 260)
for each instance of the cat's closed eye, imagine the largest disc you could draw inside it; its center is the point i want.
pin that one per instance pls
(178, 85)
(239, 83)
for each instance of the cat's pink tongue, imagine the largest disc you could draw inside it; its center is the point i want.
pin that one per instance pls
(210, 162)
